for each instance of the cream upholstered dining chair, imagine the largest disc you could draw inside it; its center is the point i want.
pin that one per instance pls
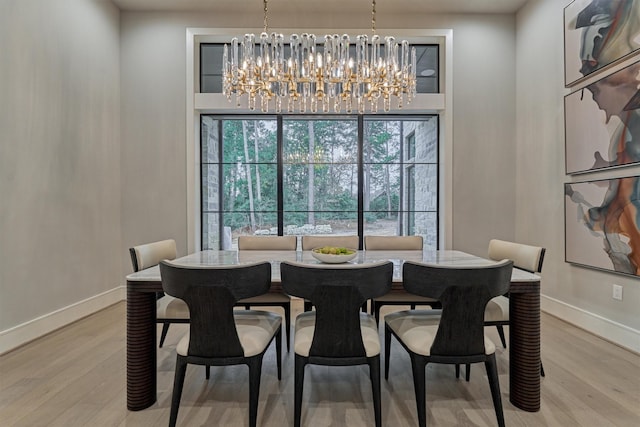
(524, 257)
(312, 242)
(270, 243)
(454, 335)
(396, 243)
(219, 335)
(168, 309)
(337, 333)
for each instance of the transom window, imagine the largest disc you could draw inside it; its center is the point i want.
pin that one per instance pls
(427, 60)
(297, 175)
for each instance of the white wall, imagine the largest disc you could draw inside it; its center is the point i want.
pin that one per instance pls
(60, 235)
(582, 296)
(153, 99)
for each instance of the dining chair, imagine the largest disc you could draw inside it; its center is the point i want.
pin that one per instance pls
(168, 309)
(270, 243)
(337, 333)
(219, 335)
(524, 257)
(312, 242)
(396, 243)
(456, 334)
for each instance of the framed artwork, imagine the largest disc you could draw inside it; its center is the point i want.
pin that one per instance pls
(598, 33)
(601, 224)
(602, 122)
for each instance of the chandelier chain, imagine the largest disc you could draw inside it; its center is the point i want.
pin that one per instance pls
(266, 22)
(373, 17)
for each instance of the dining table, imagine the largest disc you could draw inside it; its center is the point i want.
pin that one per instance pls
(524, 309)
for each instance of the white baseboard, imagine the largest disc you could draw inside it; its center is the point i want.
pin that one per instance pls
(609, 330)
(29, 331)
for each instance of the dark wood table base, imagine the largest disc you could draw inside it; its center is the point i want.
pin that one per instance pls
(141, 348)
(524, 341)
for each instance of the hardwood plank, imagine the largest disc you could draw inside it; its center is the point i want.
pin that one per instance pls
(76, 376)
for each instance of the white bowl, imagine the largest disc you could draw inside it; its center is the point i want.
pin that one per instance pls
(334, 259)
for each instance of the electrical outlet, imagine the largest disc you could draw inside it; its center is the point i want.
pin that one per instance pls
(617, 292)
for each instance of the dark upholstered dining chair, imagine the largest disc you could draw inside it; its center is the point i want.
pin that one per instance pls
(218, 334)
(270, 243)
(311, 242)
(168, 309)
(456, 334)
(337, 333)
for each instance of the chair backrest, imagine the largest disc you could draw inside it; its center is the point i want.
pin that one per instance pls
(267, 243)
(145, 256)
(338, 292)
(312, 242)
(210, 294)
(524, 257)
(392, 243)
(464, 293)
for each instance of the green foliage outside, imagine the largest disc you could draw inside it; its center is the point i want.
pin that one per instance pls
(320, 171)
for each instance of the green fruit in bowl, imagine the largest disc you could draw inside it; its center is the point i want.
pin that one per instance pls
(332, 250)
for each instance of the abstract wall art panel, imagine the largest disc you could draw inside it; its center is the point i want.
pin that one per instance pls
(601, 224)
(602, 122)
(598, 33)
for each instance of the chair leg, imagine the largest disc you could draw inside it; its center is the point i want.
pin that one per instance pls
(376, 311)
(255, 370)
(279, 352)
(494, 384)
(287, 326)
(501, 333)
(178, 382)
(467, 372)
(541, 369)
(163, 335)
(207, 372)
(457, 370)
(387, 350)
(374, 375)
(300, 363)
(418, 365)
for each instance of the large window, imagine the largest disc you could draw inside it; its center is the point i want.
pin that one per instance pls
(296, 175)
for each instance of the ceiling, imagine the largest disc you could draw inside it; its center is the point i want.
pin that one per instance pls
(300, 6)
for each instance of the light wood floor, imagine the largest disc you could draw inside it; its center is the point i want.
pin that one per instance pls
(76, 377)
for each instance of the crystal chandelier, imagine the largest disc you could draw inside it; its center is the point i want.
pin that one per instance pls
(318, 76)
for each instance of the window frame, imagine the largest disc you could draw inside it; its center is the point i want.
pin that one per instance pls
(403, 164)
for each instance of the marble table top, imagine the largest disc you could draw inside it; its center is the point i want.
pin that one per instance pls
(442, 257)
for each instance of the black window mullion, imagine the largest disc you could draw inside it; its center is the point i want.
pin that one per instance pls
(280, 175)
(220, 186)
(360, 181)
(401, 213)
